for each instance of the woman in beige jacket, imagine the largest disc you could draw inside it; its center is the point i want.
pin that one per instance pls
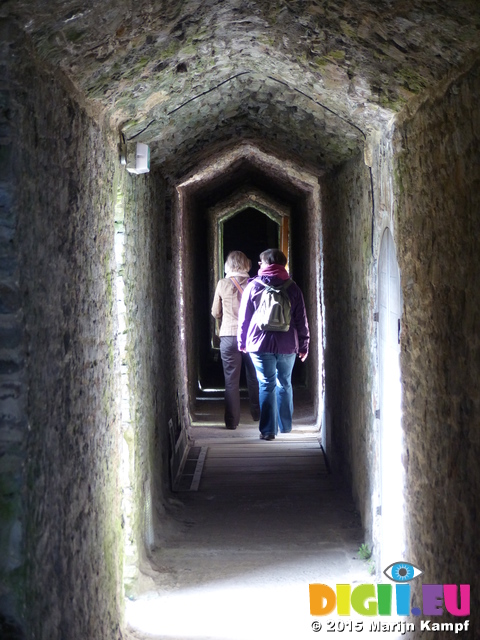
(226, 304)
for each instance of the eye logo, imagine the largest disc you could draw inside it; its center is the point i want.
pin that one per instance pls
(402, 572)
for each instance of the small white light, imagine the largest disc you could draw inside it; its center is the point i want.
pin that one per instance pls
(142, 159)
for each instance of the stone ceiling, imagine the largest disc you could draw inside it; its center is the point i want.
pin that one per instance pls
(311, 77)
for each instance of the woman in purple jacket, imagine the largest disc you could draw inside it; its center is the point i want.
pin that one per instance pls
(273, 352)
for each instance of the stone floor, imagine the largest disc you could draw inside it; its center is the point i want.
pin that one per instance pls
(267, 520)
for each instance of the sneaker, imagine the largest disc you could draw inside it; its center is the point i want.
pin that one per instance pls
(267, 436)
(231, 428)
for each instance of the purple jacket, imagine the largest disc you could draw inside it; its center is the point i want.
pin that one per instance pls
(295, 340)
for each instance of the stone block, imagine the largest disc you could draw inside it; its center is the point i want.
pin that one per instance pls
(10, 301)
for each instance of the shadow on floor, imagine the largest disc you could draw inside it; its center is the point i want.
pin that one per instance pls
(266, 520)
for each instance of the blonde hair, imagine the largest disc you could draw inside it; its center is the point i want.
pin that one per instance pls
(237, 261)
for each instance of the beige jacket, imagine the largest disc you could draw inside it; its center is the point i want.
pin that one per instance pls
(227, 302)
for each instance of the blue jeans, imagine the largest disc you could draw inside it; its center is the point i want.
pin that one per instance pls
(274, 373)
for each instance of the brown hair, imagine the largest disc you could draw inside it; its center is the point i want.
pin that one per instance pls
(273, 256)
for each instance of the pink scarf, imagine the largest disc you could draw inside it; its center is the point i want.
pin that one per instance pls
(274, 271)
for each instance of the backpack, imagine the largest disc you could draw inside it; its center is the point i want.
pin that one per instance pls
(274, 309)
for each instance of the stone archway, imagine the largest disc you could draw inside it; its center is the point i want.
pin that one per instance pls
(244, 200)
(244, 177)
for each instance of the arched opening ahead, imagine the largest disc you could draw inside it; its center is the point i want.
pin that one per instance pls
(262, 200)
(250, 231)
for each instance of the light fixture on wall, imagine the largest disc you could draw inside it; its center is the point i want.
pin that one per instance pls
(141, 163)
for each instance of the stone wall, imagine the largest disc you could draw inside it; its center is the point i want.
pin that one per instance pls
(306, 271)
(187, 263)
(349, 327)
(438, 167)
(149, 358)
(87, 372)
(426, 190)
(65, 543)
(13, 382)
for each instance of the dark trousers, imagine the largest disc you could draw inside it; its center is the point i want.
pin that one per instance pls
(232, 360)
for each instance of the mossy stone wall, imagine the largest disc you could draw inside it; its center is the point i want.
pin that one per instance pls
(67, 535)
(437, 162)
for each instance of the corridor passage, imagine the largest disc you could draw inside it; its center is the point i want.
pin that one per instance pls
(140, 142)
(267, 519)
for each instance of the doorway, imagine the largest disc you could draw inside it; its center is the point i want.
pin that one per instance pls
(250, 231)
(391, 439)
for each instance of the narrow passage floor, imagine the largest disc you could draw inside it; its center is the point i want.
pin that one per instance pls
(266, 520)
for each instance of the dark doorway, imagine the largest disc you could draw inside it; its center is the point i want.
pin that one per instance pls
(250, 231)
